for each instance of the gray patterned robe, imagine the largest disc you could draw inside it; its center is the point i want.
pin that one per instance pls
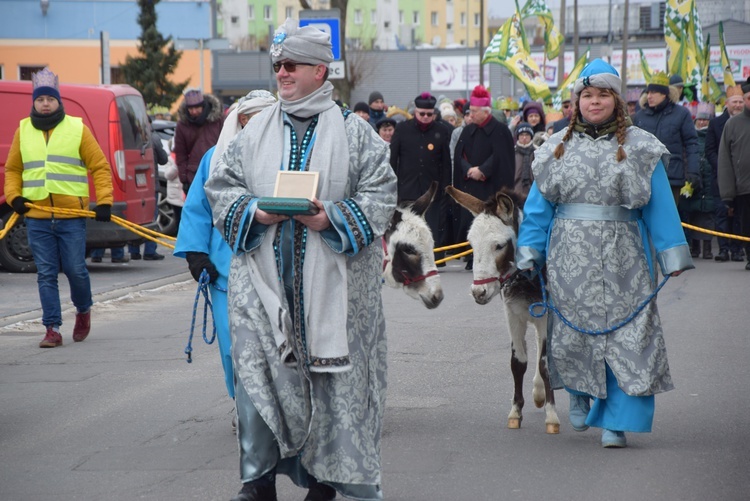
(330, 421)
(600, 270)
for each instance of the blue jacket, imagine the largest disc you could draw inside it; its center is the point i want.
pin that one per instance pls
(674, 127)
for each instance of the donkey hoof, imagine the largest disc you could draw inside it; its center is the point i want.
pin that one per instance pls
(539, 403)
(553, 428)
(514, 423)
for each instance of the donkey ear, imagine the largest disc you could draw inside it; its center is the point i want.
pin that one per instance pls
(505, 208)
(471, 203)
(421, 205)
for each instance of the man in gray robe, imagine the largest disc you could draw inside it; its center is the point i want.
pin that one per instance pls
(306, 317)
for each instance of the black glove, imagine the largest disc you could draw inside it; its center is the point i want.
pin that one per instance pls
(18, 205)
(103, 213)
(197, 262)
(695, 181)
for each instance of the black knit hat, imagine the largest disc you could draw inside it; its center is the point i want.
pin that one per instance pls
(360, 106)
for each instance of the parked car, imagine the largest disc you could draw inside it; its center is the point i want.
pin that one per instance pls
(116, 115)
(166, 220)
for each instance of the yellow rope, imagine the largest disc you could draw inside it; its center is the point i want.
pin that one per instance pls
(716, 233)
(449, 247)
(454, 256)
(146, 233)
(11, 222)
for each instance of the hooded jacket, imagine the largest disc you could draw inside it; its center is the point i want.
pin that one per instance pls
(673, 126)
(191, 141)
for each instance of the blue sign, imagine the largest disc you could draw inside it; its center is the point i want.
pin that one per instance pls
(330, 26)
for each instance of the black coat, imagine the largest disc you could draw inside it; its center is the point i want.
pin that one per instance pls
(491, 149)
(713, 140)
(418, 158)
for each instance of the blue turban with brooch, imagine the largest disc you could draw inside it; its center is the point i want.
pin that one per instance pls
(302, 45)
(598, 73)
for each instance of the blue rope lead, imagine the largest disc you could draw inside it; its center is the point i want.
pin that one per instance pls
(545, 305)
(203, 284)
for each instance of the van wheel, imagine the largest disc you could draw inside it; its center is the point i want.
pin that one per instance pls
(165, 220)
(15, 253)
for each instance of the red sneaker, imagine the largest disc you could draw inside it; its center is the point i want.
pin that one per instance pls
(82, 327)
(51, 339)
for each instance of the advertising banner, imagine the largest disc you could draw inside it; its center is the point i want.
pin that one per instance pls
(656, 58)
(453, 73)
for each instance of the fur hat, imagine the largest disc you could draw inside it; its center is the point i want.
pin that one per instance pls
(45, 83)
(193, 97)
(706, 111)
(734, 90)
(659, 83)
(303, 45)
(480, 97)
(598, 73)
(746, 86)
(425, 101)
(374, 96)
(524, 127)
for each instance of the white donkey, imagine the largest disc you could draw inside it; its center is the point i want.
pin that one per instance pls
(493, 236)
(409, 260)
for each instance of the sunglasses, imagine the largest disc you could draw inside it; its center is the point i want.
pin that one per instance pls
(425, 113)
(289, 66)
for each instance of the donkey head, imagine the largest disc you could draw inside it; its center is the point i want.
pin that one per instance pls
(409, 258)
(493, 236)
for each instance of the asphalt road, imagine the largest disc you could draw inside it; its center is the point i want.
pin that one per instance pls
(122, 416)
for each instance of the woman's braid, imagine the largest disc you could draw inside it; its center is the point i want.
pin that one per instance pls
(622, 129)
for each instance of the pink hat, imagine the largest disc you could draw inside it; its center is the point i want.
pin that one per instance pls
(480, 97)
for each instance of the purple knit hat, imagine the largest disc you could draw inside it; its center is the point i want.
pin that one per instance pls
(193, 97)
(45, 83)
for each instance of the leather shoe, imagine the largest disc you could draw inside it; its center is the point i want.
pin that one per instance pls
(96, 259)
(579, 411)
(737, 257)
(153, 257)
(254, 492)
(722, 256)
(613, 439)
(120, 259)
(135, 257)
(82, 326)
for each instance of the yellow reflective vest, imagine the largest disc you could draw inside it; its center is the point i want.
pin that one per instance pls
(54, 166)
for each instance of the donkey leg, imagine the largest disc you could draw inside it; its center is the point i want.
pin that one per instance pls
(518, 365)
(551, 419)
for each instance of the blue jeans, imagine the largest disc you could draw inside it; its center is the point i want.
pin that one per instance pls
(55, 244)
(116, 252)
(149, 248)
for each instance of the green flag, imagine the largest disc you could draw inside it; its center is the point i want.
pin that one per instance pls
(553, 39)
(567, 86)
(684, 37)
(725, 64)
(645, 68)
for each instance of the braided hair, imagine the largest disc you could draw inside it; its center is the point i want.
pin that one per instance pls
(621, 133)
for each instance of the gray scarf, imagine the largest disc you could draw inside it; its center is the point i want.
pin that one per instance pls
(325, 274)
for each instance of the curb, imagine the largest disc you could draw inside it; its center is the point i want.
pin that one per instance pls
(100, 297)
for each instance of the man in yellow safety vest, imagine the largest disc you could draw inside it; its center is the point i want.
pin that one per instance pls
(48, 165)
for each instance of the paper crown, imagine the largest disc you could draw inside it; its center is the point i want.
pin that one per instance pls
(45, 83)
(734, 90)
(660, 78)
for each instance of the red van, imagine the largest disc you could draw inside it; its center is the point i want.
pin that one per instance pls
(116, 115)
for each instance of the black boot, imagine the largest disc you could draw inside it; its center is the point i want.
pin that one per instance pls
(319, 492)
(695, 248)
(707, 254)
(722, 256)
(253, 491)
(469, 264)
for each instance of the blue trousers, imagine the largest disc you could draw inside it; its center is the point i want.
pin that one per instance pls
(60, 244)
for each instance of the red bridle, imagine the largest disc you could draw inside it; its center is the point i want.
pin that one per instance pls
(492, 279)
(407, 280)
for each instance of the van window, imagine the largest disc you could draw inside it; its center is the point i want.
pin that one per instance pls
(134, 122)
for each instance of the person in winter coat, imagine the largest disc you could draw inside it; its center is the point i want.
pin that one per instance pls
(199, 122)
(734, 166)
(533, 114)
(729, 248)
(420, 154)
(49, 162)
(673, 126)
(524, 158)
(699, 206)
(598, 212)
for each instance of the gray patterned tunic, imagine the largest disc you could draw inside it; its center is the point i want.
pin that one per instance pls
(598, 224)
(330, 421)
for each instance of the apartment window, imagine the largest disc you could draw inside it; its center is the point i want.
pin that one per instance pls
(463, 19)
(373, 17)
(415, 18)
(449, 26)
(386, 24)
(434, 18)
(477, 19)
(266, 12)
(116, 75)
(401, 17)
(289, 12)
(251, 12)
(357, 16)
(25, 72)
(235, 19)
